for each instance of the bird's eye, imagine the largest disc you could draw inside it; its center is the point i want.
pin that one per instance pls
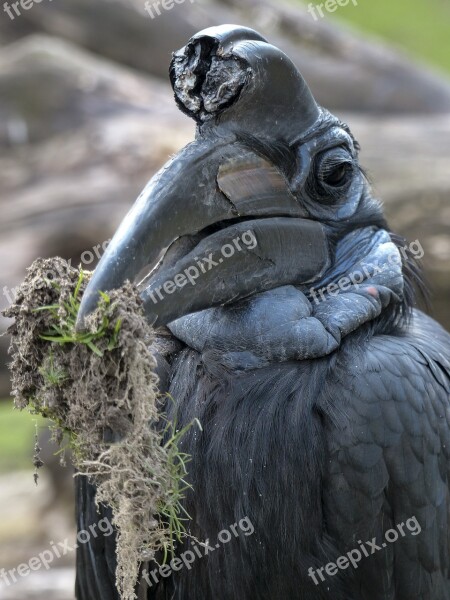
(337, 176)
(332, 172)
(334, 167)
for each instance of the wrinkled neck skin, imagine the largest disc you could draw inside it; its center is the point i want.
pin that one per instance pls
(297, 323)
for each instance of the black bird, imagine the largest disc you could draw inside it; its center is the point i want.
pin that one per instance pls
(323, 394)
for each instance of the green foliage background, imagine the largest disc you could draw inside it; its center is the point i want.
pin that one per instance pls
(419, 27)
(17, 431)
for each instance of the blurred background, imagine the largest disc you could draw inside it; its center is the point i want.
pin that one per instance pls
(87, 116)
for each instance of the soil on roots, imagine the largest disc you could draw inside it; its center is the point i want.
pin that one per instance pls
(100, 387)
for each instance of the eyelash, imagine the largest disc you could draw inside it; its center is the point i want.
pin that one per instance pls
(323, 166)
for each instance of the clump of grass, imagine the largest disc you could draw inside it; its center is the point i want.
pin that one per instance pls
(171, 510)
(52, 375)
(100, 386)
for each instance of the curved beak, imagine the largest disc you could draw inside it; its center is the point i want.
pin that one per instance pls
(213, 187)
(208, 192)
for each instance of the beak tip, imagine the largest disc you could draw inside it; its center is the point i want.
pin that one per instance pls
(80, 324)
(87, 306)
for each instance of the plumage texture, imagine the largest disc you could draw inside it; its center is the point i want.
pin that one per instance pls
(318, 454)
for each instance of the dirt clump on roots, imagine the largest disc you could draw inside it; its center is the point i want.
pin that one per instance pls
(100, 387)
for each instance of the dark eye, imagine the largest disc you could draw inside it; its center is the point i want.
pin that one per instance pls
(334, 167)
(338, 175)
(330, 176)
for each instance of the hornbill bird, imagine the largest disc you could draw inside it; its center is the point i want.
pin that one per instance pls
(283, 307)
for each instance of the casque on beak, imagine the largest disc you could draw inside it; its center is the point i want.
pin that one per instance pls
(237, 87)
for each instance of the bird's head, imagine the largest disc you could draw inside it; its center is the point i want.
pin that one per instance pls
(270, 196)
